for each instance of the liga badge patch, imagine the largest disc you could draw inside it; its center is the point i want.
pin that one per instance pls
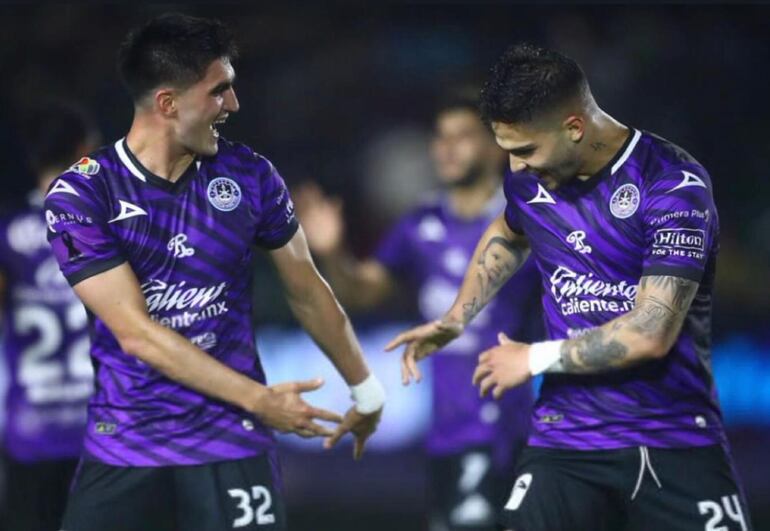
(86, 166)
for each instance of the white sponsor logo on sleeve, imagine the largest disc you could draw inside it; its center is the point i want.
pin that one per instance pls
(693, 239)
(689, 179)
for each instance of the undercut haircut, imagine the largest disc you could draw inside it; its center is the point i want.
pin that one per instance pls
(174, 50)
(529, 81)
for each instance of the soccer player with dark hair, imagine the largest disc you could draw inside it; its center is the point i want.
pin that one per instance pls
(156, 237)
(472, 440)
(44, 333)
(627, 432)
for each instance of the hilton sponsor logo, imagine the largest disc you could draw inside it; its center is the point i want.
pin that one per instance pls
(693, 239)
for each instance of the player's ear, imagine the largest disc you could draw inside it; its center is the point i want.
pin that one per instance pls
(574, 125)
(165, 102)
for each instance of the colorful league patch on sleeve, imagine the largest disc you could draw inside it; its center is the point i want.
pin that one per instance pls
(86, 166)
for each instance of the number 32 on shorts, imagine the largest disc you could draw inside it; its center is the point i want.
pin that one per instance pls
(716, 511)
(258, 512)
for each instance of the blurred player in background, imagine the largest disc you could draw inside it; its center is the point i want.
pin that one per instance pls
(471, 439)
(627, 431)
(44, 332)
(155, 233)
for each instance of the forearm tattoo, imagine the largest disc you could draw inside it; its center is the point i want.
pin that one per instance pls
(591, 352)
(497, 262)
(659, 313)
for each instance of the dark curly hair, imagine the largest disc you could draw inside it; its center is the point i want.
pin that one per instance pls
(528, 81)
(172, 48)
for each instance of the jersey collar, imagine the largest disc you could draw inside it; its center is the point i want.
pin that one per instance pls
(138, 170)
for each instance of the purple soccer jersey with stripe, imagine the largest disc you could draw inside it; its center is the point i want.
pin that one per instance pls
(429, 250)
(45, 343)
(190, 245)
(650, 211)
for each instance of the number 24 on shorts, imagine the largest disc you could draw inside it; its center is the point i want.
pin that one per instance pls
(732, 507)
(250, 514)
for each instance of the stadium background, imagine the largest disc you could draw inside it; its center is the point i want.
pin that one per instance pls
(343, 95)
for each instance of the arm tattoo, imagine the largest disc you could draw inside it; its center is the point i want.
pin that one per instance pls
(652, 317)
(470, 309)
(657, 316)
(591, 352)
(680, 290)
(497, 262)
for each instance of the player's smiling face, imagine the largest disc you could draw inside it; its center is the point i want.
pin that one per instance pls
(205, 105)
(549, 152)
(461, 147)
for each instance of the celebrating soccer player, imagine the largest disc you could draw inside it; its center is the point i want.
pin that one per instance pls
(471, 439)
(627, 432)
(155, 233)
(45, 339)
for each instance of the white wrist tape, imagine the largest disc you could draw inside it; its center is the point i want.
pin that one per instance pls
(369, 395)
(543, 355)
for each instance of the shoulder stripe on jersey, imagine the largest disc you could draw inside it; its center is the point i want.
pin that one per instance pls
(121, 150)
(627, 153)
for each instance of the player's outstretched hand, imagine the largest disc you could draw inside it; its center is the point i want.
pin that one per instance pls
(420, 342)
(283, 409)
(502, 367)
(361, 426)
(321, 218)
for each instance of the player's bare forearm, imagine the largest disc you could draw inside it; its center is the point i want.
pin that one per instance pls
(646, 332)
(174, 356)
(116, 298)
(498, 255)
(317, 310)
(357, 284)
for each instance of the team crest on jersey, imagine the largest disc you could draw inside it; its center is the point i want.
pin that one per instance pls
(624, 201)
(86, 166)
(224, 194)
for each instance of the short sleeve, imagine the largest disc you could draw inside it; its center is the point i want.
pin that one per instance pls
(511, 208)
(681, 225)
(78, 230)
(278, 223)
(393, 251)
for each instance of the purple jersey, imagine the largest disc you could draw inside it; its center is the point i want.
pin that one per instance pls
(45, 342)
(650, 211)
(430, 249)
(190, 245)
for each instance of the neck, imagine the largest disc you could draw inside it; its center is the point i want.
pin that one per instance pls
(603, 140)
(469, 201)
(153, 145)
